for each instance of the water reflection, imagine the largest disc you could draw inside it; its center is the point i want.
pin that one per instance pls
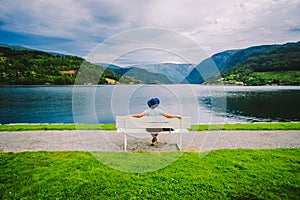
(258, 105)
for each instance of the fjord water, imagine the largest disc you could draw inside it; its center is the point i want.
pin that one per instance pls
(100, 104)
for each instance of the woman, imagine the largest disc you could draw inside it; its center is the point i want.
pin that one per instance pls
(154, 111)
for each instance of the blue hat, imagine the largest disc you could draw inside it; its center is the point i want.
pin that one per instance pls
(153, 102)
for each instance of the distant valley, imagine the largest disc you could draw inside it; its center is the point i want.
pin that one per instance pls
(160, 73)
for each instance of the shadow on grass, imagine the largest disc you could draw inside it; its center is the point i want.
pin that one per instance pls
(137, 162)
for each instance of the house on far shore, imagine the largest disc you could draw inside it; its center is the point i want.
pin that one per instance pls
(68, 72)
(111, 81)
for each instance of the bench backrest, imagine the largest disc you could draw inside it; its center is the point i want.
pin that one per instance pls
(128, 122)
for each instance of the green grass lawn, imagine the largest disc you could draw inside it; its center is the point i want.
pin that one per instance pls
(249, 126)
(222, 174)
(30, 127)
(200, 127)
(279, 77)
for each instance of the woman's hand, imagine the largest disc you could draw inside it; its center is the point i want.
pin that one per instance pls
(139, 115)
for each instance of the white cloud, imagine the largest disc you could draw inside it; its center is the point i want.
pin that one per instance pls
(47, 18)
(161, 45)
(215, 25)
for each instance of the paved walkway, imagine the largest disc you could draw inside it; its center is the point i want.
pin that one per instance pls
(88, 140)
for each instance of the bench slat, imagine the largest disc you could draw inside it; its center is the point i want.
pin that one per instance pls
(128, 122)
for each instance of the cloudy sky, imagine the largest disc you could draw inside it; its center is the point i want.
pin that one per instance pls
(79, 27)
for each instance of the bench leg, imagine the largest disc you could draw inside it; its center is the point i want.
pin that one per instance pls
(125, 142)
(179, 140)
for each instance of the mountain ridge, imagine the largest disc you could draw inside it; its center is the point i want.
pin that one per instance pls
(175, 72)
(255, 65)
(218, 64)
(138, 74)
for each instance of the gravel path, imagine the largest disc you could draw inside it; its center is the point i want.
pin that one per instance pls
(111, 141)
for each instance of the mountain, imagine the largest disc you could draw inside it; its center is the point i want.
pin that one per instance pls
(258, 65)
(162, 73)
(14, 47)
(20, 48)
(20, 66)
(176, 73)
(138, 74)
(280, 66)
(219, 63)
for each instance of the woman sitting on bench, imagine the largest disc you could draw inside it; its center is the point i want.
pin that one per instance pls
(154, 111)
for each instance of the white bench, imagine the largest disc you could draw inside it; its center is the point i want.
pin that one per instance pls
(128, 124)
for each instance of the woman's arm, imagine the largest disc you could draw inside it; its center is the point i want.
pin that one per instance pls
(171, 116)
(139, 115)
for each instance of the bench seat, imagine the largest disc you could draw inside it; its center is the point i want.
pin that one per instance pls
(128, 124)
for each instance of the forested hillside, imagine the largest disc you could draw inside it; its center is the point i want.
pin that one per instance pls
(278, 67)
(31, 67)
(258, 65)
(219, 63)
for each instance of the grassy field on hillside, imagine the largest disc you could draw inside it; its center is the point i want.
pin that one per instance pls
(222, 174)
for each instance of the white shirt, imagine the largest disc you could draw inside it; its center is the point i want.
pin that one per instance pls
(153, 112)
